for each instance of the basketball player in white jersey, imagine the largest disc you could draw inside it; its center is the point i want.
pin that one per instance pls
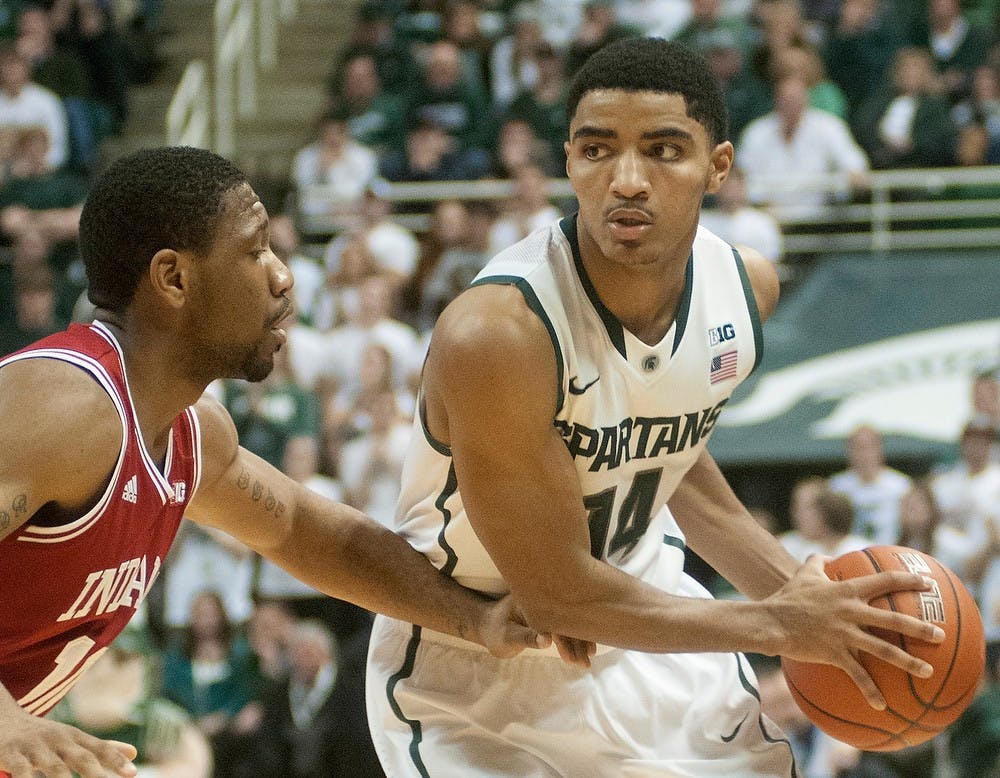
(108, 442)
(559, 453)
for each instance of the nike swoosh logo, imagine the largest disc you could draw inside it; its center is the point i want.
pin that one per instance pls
(574, 389)
(735, 732)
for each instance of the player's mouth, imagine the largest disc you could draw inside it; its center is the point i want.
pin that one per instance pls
(279, 318)
(629, 224)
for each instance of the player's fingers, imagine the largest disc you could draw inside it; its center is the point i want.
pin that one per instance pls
(864, 682)
(896, 656)
(573, 651)
(868, 587)
(95, 758)
(910, 626)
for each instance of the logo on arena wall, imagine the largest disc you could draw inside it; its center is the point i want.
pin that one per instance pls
(915, 384)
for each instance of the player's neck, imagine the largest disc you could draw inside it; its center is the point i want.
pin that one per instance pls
(159, 392)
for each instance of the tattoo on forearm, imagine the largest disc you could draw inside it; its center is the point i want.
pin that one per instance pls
(18, 506)
(259, 493)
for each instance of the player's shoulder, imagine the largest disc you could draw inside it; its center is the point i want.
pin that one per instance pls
(44, 394)
(485, 315)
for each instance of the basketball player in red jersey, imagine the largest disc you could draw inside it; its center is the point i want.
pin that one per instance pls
(108, 442)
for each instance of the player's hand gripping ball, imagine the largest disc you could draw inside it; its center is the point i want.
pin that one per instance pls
(916, 708)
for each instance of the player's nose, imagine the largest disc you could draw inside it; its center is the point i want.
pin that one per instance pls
(630, 179)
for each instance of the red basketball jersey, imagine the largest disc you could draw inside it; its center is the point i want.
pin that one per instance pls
(68, 590)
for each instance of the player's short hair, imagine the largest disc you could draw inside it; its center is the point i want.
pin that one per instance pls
(654, 65)
(159, 198)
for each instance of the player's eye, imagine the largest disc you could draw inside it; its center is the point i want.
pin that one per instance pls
(593, 151)
(664, 151)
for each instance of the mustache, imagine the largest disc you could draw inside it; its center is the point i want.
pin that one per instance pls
(634, 204)
(286, 308)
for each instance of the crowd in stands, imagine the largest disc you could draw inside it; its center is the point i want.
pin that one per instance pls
(239, 664)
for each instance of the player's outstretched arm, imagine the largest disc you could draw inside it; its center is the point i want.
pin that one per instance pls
(337, 549)
(30, 746)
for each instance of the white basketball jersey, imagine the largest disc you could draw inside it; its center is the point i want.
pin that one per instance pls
(634, 417)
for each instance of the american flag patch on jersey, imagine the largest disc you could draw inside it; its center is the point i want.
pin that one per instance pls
(722, 366)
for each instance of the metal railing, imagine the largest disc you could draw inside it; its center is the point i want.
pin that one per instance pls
(896, 209)
(244, 39)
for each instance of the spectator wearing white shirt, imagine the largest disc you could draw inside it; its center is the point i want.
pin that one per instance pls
(873, 487)
(529, 209)
(822, 520)
(737, 222)
(783, 149)
(24, 103)
(341, 165)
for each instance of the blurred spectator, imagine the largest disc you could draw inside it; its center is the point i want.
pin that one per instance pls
(861, 46)
(970, 489)
(908, 124)
(33, 307)
(873, 487)
(661, 18)
(804, 60)
(24, 103)
(87, 26)
(347, 412)
(985, 399)
(461, 27)
(792, 144)
(342, 166)
(211, 674)
(957, 47)
(708, 24)
(921, 527)
(449, 228)
(445, 98)
(528, 209)
(747, 96)
(375, 118)
(517, 146)
(431, 154)
(513, 60)
(981, 110)
(560, 19)
(391, 248)
(39, 217)
(374, 33)
(315, 725)
(543, 106)
(268, 633)
(734, 220)
(599, 27)
(60, 69)
(822, 520)
(336, 301)
(53, 66)
(974, 740)
(781, 26)
(118, 699)
(371, 464)
(374, 322)
(204, 558)
(458, 264)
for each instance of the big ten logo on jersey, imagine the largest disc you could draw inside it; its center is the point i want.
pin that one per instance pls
(721, 334)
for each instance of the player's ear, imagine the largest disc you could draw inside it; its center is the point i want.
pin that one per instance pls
(720, 162)
(168, 275)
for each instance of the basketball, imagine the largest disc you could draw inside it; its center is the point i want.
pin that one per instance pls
(916, 708)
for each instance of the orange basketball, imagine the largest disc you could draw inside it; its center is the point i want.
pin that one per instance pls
(916, 708)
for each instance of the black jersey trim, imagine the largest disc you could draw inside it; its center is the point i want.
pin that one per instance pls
(390, 689)
(684, 304)
(758, 329)
(532, 301)
(614, 327)
(752, 690)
